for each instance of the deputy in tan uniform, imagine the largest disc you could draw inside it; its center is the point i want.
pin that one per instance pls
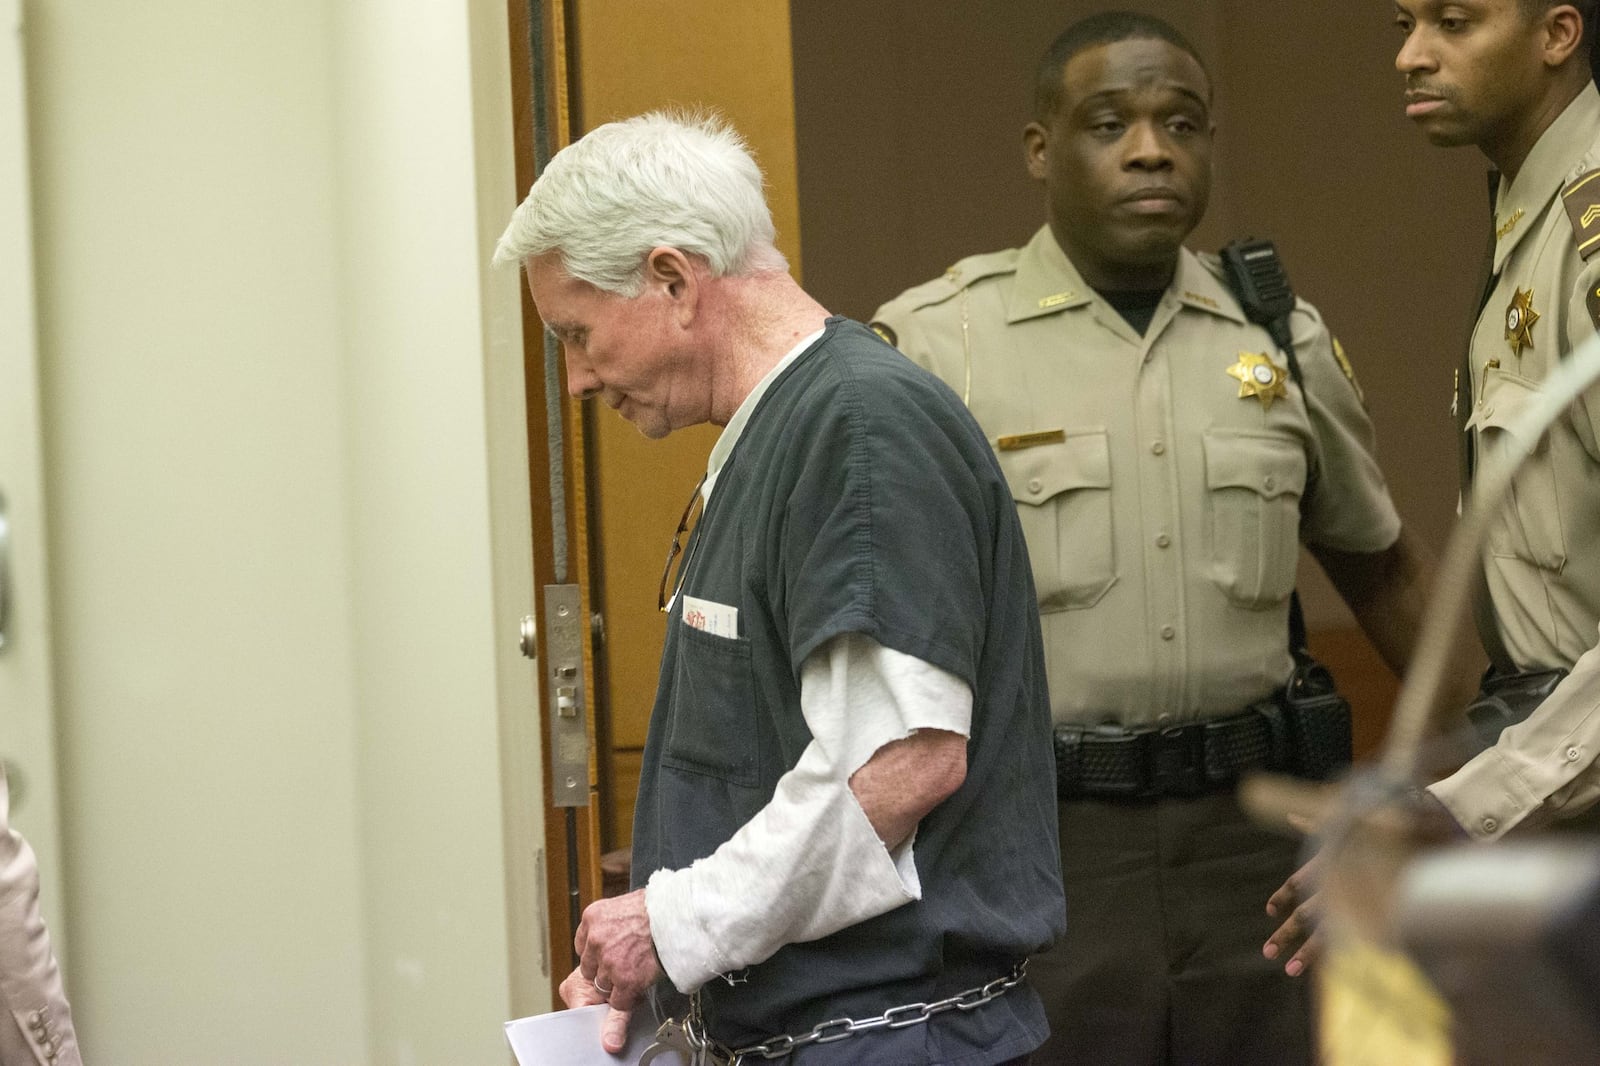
(37, 1024)
(1515, 80)
(1167, 467)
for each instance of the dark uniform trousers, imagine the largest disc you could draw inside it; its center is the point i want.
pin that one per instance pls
(1166, 916)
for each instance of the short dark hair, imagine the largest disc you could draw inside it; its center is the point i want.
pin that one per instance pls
(1106, 28)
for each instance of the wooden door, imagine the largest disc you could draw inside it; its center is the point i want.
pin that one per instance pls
(732, 56)
(589, 62)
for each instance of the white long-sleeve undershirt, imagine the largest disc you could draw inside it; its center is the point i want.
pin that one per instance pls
(809, 863)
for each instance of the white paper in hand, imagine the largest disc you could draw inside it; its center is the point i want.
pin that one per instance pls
(572, 1038)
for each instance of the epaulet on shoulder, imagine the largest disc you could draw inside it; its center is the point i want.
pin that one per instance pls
(962, 275)
(1212, 261)
(1581, 196)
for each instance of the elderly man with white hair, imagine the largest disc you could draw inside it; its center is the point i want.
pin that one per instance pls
(846, 818)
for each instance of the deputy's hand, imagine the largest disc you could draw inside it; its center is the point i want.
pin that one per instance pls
(616, 963)
(1298, 903)
(1398, 828)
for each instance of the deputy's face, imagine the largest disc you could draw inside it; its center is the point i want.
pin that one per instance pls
(617, 348)
(1126, 160)
(1471, 68)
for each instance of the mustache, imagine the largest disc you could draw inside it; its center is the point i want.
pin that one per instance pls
(1425, 90)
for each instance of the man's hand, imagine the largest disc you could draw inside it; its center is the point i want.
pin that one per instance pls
(1298, 904)
(616, 963)
(1400, 827)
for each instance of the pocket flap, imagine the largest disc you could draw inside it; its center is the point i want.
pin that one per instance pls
(1505, 398)
(1039, 474)
(1268, 464)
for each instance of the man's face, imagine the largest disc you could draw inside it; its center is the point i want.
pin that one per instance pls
(1471, 67)
(618, 348)
(1126, 160)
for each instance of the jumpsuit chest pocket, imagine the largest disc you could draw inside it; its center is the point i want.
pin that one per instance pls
(1529, 524)
(1254, 482)
(1063, 494)
(713, 730)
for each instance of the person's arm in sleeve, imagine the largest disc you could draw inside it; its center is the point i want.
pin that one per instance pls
(1387, 591)
(833, 848)
(1350, 524)
(37, 1026)
(1540, 769)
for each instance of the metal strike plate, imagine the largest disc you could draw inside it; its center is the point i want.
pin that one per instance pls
(565, 628)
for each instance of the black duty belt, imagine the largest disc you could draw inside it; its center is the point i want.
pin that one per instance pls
(1115, 763)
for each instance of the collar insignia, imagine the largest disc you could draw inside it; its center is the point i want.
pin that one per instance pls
(1260, 377)
(1520, 317)
(1508, 225)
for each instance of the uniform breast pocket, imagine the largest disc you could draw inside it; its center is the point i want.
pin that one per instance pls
(1254, 482)
(713, 729)
(1529, 525)
(1063, 494)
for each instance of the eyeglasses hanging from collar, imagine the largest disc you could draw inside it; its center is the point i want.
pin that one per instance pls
(691, 515)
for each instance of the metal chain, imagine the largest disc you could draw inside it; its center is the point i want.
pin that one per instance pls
(902, 1017)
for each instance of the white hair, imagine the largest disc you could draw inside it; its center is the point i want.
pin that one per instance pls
(660, 179)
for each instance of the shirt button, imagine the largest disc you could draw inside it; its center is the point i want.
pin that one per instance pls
(1163, 721)
(1162, 540)
(1034, 485)
(1167, 632)
(1573, 754)
(1158, 448)
(1490, 825)
(1269, 483)
(1487, 411)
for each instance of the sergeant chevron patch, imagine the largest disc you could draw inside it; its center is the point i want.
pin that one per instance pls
(1582, 197)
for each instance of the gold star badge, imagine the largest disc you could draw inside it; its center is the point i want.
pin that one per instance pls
(1520, 317)
(1260, 377)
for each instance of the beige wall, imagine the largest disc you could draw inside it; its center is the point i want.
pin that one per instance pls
(288, 523)
(909, 120)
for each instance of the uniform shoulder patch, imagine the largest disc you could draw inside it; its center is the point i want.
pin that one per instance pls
(1349, 371)
(884, 330)
(1582, 199)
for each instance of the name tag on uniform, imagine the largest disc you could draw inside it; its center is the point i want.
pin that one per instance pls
(1031, 440)
(718, 619)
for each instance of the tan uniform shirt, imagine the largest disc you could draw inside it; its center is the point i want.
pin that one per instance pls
(1162, 496)
(1542, 562)
(35, 1021)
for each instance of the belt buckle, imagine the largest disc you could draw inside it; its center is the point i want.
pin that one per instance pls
(1176, 760)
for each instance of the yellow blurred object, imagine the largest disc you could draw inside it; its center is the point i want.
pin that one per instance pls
(1378, 1009)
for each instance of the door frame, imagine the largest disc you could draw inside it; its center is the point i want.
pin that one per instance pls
(27, 686)
(557, 442)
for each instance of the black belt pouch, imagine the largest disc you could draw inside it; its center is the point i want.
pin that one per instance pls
(1318, 721)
